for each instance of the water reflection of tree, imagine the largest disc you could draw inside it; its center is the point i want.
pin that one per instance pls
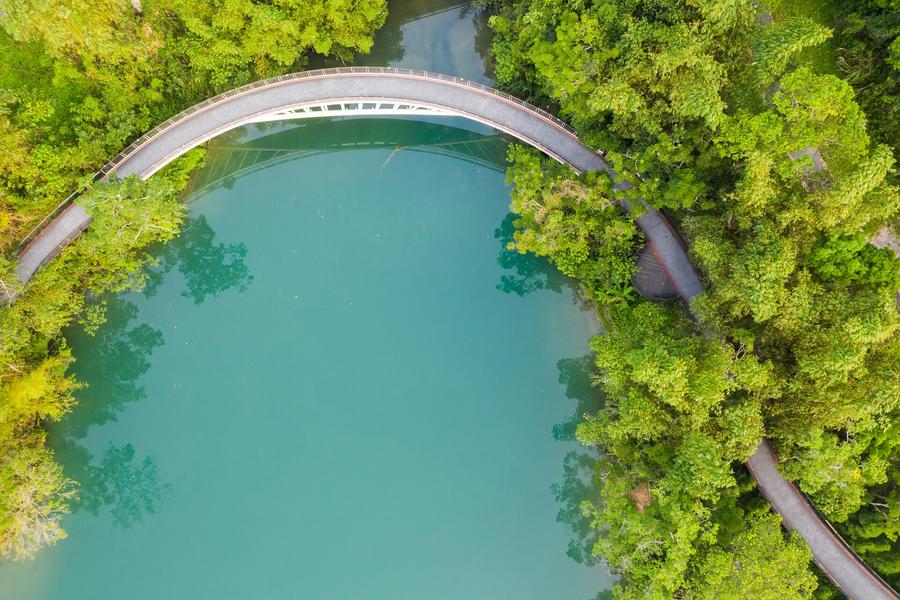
(388, 46)
(529, 273)
(208, 268)
(131, 488)
(113, 362)
(580, 480)
(119, 354)
(484, 35)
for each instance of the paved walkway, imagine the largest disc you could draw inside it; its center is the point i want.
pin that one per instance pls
(830, 552)
(501, 111)
(53, 238)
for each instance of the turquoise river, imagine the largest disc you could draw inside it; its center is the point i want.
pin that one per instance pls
(338, 383)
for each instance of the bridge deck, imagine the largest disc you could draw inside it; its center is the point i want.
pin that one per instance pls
(53, 238)
(830, 552)
(527, 123)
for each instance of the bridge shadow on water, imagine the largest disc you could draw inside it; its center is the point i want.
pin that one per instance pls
(112, 362)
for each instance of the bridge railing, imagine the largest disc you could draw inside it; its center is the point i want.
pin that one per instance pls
(843, 543)
(337, 71)
(873, 575)
(37, 229)
(111, 166)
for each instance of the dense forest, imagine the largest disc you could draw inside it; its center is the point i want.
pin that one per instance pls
(765, 133)
(79, 81)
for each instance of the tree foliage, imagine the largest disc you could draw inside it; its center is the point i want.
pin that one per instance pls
(680, 409)
(868, 57)
(33, 498)
(760, 562)
(640, 80)
(573, 222)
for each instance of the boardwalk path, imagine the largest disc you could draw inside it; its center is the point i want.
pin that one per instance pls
(503, 112)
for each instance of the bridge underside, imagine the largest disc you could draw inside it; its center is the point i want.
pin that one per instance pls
(351, 108)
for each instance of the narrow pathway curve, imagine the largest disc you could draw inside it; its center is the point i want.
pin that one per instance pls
(830, 551)
(531, 125)
(53, 237)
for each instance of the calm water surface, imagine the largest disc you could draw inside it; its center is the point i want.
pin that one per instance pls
(338, 383)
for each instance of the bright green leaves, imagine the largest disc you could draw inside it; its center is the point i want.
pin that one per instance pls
(647, 71)
(236, 41)
(845, 191)
(9, 281)
(33, 490)
(787, 258)
(849, 471)
(70, 28)
(867, 46)
(574, 223)
(851, 259)
(861, 197)
(760, 563)
(641, 80)
(100, 74)
(875, 528)
(780, 42)
(751, 274)
(34, 496)
(676, 547)
(680, 409)
(830, 469)
(88, 77)
(664, 382)
(778, 193)
(820, 111)
(128, 215)
(44, 392)
(720, 16)
(651, 545)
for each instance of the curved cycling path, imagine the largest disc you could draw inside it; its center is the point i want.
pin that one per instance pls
(496, 109)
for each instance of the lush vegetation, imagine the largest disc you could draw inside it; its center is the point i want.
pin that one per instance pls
(79, 81)
(764, 132)
(716, 111)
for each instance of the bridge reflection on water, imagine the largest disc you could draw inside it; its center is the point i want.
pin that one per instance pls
(259, 146)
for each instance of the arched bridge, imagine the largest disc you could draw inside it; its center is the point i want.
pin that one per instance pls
(376, 90)
(359, 90)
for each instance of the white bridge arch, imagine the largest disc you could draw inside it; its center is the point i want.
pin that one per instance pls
(353, 108)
